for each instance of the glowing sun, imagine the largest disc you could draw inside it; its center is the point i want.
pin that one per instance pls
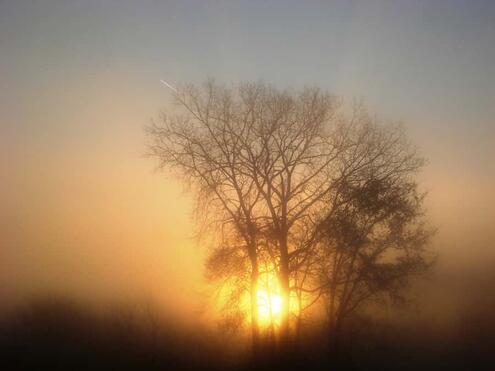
(269, 306)
(269, 301)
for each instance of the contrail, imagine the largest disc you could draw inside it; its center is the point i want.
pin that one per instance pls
(168, 86)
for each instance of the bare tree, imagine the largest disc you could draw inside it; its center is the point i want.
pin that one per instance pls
(373, 239)
(260, 158)
(267, 166)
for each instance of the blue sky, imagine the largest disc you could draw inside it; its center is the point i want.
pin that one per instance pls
(431, 63)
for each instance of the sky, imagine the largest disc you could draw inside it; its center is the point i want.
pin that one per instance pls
(82, 210)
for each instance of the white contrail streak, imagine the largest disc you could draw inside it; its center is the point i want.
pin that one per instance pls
(168, 86)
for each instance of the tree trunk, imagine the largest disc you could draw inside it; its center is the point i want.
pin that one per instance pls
(255, 330)
(331, 317)
(299, 319)
(337, 336)
(336, 339)
(285, 289)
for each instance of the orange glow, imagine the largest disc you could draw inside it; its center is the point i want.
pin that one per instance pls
(269, 300)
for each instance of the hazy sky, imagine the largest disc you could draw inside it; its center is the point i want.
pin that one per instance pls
(81, 210)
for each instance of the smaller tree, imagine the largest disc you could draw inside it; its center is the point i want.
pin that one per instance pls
(374, 239)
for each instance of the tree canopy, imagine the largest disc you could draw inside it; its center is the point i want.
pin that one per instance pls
(295, 184)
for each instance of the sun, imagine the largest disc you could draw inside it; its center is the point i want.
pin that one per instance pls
(269, 306)
(269, 301)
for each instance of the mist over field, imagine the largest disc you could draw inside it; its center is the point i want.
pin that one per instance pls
(122, 245)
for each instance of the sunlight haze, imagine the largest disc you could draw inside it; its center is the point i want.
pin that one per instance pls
(85, 214)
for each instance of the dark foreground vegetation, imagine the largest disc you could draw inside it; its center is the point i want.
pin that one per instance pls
(53, 334)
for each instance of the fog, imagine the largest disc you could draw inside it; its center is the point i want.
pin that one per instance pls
(85, 215)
